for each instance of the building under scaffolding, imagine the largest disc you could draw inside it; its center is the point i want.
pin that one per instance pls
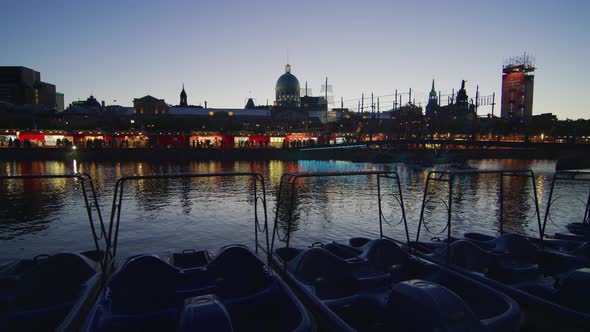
(518, 76)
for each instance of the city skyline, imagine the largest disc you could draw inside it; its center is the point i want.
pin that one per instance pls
(228, 51)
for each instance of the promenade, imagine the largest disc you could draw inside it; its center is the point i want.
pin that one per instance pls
(357, 154)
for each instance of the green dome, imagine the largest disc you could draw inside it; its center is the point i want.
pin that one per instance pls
(288, 82)
(287, 89)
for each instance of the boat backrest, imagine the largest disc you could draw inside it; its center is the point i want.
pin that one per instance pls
(466, 255)
(317, 263)
(383, 254)
(517, 246)
(330, 275)
(144, 282)
(418, 305)
(237, 268)
(574, 291)
(342, 251)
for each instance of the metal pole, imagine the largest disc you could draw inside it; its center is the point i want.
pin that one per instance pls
(362, 104)
(501, 203)
(372, 107)
(476, 98)
(421, 220)
(449, 216)
(493, 103)
(537, 205)
(587, 213)
(379, 204)
(401, 200)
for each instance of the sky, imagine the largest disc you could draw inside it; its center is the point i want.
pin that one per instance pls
(227, 51)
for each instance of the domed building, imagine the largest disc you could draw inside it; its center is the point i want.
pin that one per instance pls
(288, 90)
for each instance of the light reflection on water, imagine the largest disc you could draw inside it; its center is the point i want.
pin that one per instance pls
(47, 216)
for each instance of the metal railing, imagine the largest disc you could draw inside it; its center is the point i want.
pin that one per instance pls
(450, 177)
(567, 176)
(291, 180)
(91, 203)
(258, 180)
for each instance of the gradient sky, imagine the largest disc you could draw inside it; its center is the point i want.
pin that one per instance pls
(227, 51)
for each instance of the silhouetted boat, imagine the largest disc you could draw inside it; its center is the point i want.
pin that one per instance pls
(231, 290)
(547, 280)
(53, 291)
(379, 285)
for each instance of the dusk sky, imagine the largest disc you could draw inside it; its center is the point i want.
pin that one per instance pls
(227, 51)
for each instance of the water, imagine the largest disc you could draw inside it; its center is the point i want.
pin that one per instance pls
(48, 216)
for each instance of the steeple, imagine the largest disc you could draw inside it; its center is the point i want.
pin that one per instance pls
(432, 92)
(183, 99)
(432, 107)
(462, 98)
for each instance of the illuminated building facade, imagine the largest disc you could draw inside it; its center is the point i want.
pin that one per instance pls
(518, 76)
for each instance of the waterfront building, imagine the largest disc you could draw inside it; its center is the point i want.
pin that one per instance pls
(518, 78)
(458, 109)
(88, 106)
(59, 101)
(149, 105)
(21, 86)
(314, 104)
(457, 116)
(288, 91)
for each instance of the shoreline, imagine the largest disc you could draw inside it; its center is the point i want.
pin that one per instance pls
(235, 154)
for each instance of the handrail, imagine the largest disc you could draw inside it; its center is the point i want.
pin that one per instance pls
(84, 179)
(450, 176)
(118, 203)
(574, 176)
(291, 179)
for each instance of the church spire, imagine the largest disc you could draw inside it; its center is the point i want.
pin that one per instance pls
(183, 99)
(432, 91)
